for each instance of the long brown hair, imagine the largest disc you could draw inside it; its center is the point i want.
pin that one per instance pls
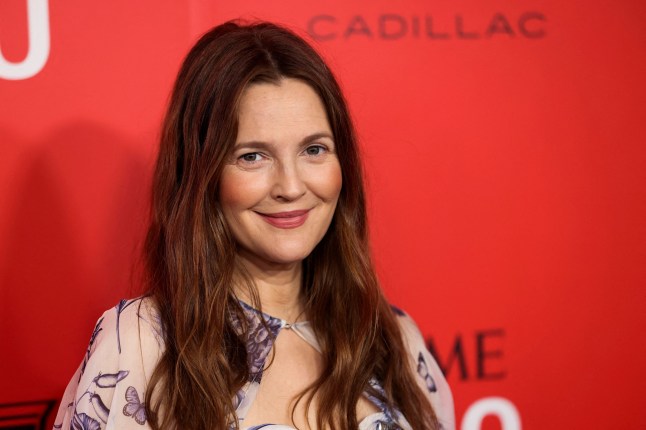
(190, 253)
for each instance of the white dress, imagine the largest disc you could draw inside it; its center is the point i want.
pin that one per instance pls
(108, 389)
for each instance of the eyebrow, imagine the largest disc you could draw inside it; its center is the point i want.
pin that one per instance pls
(262, 144)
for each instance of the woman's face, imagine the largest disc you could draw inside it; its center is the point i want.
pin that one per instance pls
(280, 186)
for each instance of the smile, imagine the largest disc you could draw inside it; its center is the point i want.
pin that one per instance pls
(291, 219)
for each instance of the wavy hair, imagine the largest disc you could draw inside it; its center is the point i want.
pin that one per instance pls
(190, 254)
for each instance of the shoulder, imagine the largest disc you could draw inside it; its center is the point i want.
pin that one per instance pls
(126, 328)
(130, 333)
(411, 334)
(427, 372)
(136, 320)
(109, 387)
(410, 331)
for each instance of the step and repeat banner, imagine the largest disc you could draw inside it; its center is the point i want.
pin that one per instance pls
(504, 148)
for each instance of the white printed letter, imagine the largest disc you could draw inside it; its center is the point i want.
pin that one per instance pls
(38, 33)
(499, 407)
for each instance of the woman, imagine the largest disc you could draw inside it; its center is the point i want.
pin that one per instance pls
(262, 304)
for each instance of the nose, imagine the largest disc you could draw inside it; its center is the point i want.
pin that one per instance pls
(288, 182)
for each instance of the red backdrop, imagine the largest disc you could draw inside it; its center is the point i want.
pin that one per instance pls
(504, 148)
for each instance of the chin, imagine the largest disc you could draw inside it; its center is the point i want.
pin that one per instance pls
(287, 258)
(288, 255)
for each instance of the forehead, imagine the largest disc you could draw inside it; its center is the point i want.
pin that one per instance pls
(287, 109)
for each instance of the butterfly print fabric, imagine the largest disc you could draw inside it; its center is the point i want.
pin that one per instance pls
(134, 408)
(108, 390)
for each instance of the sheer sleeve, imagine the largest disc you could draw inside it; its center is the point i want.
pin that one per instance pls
(107, 391)
(428, 373)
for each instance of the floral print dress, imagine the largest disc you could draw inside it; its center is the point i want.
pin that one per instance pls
(108, 389)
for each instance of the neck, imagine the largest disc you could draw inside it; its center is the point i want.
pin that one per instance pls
(278, 287)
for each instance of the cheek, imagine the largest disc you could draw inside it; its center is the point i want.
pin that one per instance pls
(239, 190)
(328, 182)
(324, 180)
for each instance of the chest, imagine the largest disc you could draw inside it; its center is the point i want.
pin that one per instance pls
(285, 362)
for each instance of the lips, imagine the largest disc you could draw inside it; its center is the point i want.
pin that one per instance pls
(291, 219)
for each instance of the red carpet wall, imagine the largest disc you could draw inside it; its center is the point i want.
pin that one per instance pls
(504, 148)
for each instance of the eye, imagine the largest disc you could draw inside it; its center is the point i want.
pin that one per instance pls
(251, 157)
(315, 150)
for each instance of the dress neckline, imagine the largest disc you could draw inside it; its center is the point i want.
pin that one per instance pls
(261, 332)
(266, 316)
